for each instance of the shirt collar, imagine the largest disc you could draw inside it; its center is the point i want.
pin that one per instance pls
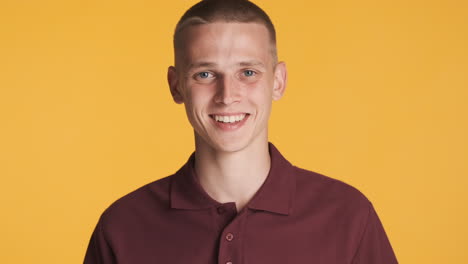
(275, 195)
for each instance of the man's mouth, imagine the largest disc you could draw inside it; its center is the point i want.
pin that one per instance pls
(229, 118)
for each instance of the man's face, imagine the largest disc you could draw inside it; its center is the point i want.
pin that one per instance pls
(227, 79)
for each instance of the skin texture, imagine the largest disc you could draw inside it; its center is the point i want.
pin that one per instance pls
(227, 68)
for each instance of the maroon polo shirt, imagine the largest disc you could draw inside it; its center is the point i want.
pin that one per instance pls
(296, 217)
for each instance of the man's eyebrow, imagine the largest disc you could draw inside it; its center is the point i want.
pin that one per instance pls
(251, 63)
(201, 64)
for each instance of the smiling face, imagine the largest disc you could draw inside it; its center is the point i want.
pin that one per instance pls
(226, 78)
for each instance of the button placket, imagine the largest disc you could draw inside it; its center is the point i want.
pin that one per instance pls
(230, 240)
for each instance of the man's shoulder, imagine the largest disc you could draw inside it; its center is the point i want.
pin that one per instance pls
(152, 196)
(317, 190)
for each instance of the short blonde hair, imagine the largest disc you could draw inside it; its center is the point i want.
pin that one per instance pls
(210, 11)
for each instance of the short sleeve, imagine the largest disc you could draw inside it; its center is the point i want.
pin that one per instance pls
(374, 246)
(99, 250)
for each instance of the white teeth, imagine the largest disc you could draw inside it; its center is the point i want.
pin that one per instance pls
(229, 119)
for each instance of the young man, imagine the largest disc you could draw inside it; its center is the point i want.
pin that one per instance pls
(237, 199)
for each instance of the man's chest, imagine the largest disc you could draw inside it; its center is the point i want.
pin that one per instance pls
(249, 238)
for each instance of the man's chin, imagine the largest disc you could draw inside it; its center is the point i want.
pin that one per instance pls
(230, 146)
(226, 145)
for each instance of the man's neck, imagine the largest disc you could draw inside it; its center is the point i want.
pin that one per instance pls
(232, 176)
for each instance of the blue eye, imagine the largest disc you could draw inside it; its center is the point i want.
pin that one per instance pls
(204, 75)
(249, 73)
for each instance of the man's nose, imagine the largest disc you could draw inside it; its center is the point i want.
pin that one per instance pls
(228, 91)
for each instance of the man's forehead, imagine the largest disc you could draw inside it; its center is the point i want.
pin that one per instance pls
(224, 24)
(215, 30)
(210, 42)
(226, 35)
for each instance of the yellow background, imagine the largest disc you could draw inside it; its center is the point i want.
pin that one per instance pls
(376, 97)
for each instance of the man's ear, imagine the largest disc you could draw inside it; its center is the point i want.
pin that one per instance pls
(279, 83)
(173, 81)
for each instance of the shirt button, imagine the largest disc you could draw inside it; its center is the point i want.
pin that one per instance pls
(229, 237)
(221, 210)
